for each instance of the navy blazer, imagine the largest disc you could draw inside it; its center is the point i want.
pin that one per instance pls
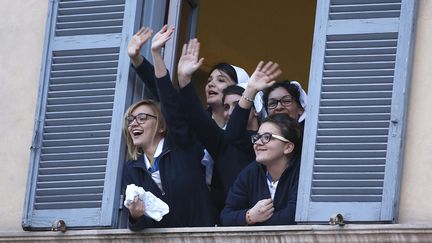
(183, 183)
(230, 156)
(251, 186)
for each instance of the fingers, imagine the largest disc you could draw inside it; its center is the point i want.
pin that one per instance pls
(259, 66)
(184, 50)
(164, 28)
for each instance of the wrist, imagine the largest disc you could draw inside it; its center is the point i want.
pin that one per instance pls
(249, 220)
(137, 61)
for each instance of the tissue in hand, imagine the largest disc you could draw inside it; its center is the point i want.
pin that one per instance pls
(153, 206)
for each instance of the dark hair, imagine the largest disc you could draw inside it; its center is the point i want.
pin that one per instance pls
(226, 68)
(232, 89)
(289, 128)
(288, 86)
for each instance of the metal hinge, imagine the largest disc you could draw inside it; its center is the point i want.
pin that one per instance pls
(121, 201)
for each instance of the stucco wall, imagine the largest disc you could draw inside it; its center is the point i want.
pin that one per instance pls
(22, 27)
(416, 191)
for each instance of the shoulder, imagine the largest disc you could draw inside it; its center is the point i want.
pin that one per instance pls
(251, 170)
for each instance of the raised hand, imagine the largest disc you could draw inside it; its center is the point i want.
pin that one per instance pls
(136, 43)
(264, 75)
(261, 212)
(161, 37)
(189, 62)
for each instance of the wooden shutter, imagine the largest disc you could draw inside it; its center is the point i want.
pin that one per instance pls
(353, 144)
(76, 153)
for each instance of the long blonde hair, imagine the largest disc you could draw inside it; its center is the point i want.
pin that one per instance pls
(135, 151)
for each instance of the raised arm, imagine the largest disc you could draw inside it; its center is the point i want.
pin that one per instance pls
(169, 97)
(263, 77)
(142, 66)
(208, 132)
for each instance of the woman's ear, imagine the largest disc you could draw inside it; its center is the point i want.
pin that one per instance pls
(289, 147)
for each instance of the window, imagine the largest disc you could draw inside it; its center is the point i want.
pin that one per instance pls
(354, 130)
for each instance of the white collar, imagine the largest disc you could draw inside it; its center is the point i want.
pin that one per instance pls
(158, 151)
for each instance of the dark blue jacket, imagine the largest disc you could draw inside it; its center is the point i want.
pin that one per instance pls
(230, 156)
(183, 183)
(251, 187)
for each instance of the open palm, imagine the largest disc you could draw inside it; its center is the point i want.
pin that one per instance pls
(138, 40)
(161, 37)
(189, 61)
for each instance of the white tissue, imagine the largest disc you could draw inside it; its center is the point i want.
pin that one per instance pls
(153, 206)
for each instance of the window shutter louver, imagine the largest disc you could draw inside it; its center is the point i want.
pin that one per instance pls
(76, 152)
(353, 139)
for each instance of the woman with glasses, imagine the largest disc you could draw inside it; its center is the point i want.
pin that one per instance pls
(265, 192)
(165, 157)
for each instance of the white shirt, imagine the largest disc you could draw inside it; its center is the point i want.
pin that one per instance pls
(155, 174)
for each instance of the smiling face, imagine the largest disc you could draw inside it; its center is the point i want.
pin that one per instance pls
(216, 83)
(148, 132)
(273, 151)
(293, 109)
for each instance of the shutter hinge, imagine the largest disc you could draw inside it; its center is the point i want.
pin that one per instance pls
(121, 201)
(35, 142)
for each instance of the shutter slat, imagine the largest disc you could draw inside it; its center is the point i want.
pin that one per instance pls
(351, 146)
(346, 198)
(69, 191)
(71, 183)
(75, 176)
(352, 139)
(85, 65)
(73, 114)
(68, 205)
(74, 149)
(354, 117)
(71, 198)
(349, 175)
(350, 168)
(73, 163)
(80, 107)
(350, 153)
(77, 121)
(352, 132)
(73, 156)
(80, 99)
(78, 141)
(81, 93)
(78, 128)
(357, 102)
(72, 170)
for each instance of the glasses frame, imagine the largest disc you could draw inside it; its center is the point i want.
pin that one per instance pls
(130, 121)
(281, 102)
(256, 137)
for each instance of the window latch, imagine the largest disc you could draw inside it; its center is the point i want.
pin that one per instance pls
(337, 219)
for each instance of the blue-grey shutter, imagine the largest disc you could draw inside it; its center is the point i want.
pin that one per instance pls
(354, 132)
(77, 153)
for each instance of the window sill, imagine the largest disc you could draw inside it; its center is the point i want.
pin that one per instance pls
(296, 233)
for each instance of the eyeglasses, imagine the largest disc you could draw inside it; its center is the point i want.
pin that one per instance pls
(266, 137)
(284, 101)
(140, 118)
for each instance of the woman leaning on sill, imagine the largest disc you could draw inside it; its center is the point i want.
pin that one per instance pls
(165, 159)
(265, 192)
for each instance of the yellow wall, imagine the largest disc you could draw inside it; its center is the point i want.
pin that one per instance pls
(243, 34)
(416, 191)
(22, 27)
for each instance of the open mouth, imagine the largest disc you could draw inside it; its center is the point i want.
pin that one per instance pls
(137, 132)
(210, 92)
